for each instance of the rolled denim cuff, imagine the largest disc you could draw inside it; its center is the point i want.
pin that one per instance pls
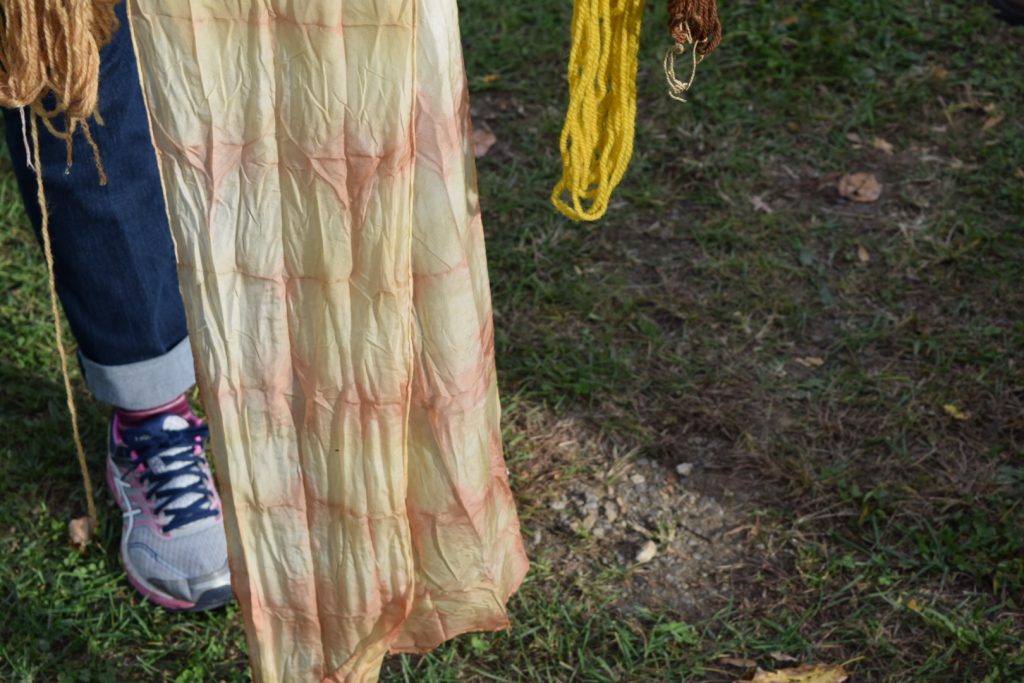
(141, 385)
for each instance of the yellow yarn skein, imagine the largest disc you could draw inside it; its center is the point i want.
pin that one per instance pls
(597, 137)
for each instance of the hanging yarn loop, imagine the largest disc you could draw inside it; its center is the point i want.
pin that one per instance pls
(51, 47)
(597, 137)
(676, 87)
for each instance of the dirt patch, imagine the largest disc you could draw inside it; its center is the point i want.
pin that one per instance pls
(594, 505)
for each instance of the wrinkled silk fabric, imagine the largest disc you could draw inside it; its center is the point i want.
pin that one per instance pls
(320, 184)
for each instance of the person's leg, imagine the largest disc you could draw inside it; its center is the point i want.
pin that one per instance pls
(117, 280)
(114, 258)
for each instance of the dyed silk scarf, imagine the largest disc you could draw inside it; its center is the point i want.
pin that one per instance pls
(321, 189)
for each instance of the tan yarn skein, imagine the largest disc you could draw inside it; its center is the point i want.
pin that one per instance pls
(53, 46)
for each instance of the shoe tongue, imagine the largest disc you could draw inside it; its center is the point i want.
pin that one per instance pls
(174, 423)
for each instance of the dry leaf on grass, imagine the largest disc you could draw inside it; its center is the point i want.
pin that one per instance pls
(811, 361)
(862, 254)
(760, 204)
(80, 533)
(483, 140)
(739, 662)
(955, 412)
(882, 145)
(992, 122)
(783, 657)
(860, 187)
(804, 673)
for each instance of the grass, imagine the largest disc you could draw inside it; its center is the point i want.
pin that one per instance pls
(803, 357)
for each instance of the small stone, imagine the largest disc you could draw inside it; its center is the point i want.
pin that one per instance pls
(647, 552)
(611, 512)
(537, 537)
(590, 520)
(684, 469)
(643, 462)
(559, 504)
(599, 532)
(637, 478)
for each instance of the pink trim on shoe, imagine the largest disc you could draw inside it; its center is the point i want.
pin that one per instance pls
(164, 601)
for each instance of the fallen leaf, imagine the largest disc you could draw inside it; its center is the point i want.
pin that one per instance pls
(860, 187)
(804, 673)
(483, 140)
(80, 533)
(862, 254)
(760, 204)
(955, 413)
(740, 662)
(782, 657)
(992, 121)
(854, 138)
(938, 73)
(882, 145)
(490, 78)
(912, 605)
(811, 361)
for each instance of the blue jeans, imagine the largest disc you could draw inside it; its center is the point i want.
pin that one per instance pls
(113, 254)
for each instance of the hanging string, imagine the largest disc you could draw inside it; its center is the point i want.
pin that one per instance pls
(676, 87)
(52, 47)
(58, 331)
(596, 143)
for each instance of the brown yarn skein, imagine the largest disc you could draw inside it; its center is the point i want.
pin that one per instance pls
(695, 21)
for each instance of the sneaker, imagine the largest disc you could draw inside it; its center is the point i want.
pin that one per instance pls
(172, 542)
